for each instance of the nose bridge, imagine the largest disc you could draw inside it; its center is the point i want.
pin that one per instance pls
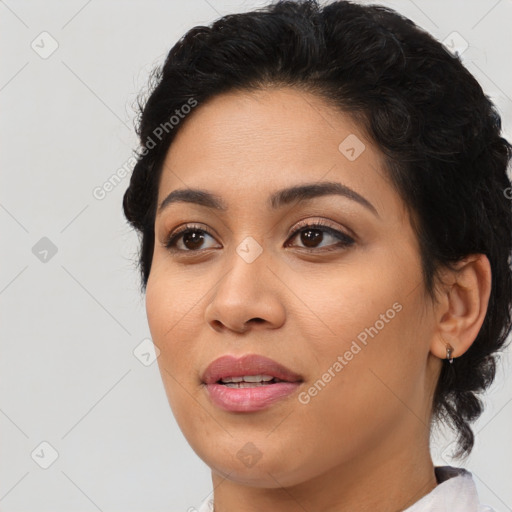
(245, 290)
(245, 277)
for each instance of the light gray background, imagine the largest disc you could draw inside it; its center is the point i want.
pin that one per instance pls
(69, 325)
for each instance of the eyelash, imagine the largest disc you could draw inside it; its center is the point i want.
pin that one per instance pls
(344, 239)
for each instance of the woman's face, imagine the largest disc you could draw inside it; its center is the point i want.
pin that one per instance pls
(341, 304)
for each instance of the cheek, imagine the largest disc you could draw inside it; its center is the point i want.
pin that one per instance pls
(367, 342)
(159, 311)
(358, 393)
(168, 321)
(172, 304)
(351, 304)
(171, 314)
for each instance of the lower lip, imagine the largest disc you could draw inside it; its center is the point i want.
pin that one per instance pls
(249, 399)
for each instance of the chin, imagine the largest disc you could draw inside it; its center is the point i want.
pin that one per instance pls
(257, 476)
(248, 466)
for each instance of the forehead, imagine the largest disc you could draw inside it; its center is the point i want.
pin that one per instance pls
(283, 122)
(246, 143)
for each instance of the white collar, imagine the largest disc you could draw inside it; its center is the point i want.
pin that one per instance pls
(455, 492)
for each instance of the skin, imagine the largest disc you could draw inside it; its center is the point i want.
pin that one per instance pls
(362, 442)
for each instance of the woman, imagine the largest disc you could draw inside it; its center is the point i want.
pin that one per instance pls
(321, 194)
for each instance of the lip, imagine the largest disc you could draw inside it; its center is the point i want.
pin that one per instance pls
(249, 399)
(250, 364)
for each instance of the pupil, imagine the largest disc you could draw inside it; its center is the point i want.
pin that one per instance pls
(194, 238)
(309, 239)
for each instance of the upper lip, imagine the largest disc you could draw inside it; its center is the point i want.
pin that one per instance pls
(250, 364)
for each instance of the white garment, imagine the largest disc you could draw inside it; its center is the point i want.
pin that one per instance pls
(455, 492)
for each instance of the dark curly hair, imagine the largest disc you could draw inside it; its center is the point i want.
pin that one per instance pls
(439, 132)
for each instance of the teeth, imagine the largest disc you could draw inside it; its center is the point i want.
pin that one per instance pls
(257, 378)
(248, 378)
(246, 384)
(232, 379)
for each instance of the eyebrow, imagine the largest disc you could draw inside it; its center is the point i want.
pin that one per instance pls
(276, 200)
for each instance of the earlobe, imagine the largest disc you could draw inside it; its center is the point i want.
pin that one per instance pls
(462, 307)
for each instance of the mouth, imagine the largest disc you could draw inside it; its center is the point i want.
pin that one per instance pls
(249, 383)
(249, 369)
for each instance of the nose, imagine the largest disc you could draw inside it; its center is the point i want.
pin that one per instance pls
(247, 296)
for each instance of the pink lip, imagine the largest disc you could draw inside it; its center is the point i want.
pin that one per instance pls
(251, 398)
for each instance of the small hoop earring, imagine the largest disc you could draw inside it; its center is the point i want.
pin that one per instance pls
(449, 352)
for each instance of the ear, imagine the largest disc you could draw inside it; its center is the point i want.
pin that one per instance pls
(462, 305)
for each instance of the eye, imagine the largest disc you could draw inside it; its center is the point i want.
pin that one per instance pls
(313, 233)
(190, 237)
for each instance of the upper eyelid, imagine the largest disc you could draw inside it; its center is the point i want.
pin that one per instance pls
(324, 223)
(301, 224)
